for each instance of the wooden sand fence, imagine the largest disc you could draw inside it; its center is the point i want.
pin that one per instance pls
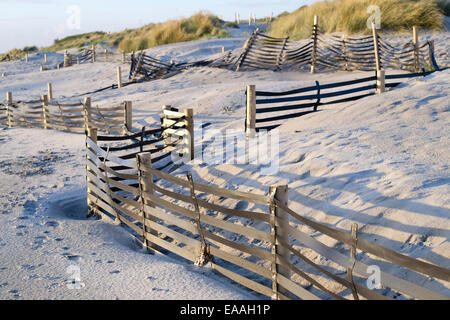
(335, 52)
(267, 110)
(268, 248)
(72, 117)
(91, 55)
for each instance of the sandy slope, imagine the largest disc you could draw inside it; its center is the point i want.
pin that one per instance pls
(382, 162)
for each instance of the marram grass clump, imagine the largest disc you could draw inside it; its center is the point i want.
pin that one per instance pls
(198, 26)
(350, 16)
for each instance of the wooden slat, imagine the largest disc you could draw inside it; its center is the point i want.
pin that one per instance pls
(259, 216)
(257, 252)
(244, 281)
(377, 250)
(246, 231)
(238, 195)
(182, 252)
(360, 268)
(296, 289)
(102, 154)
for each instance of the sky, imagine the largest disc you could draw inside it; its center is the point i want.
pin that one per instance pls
(39, 22)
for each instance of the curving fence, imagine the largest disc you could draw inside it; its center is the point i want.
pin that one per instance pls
(333, 52)
(265, 249)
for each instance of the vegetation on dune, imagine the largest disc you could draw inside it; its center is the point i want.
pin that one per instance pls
(16, 54)
(350, 16)
(198, 26)
(77, 41)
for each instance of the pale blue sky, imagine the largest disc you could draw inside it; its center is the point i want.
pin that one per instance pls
(39, 22)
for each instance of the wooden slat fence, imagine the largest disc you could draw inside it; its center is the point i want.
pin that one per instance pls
(72, 117)
(264, 249)
(267, 110)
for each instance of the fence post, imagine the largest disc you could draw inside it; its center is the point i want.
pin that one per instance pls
(189, 114)
(249, 19)
(128, 117)
(26, 57)
(8, 107)
(119, 77)
(49, 91)
(314, 48)
(416, 49)
(106, 55)
(250, 123)
(44, 99)
(41, 68)
(279, 220)
(354, 232)
(87, 112)
(45, 58)
(123, 57)
(92, 134)
(93, 53)
(78, 60)
(146, 185)
(432, 61)
(375, 46)
(381, 81)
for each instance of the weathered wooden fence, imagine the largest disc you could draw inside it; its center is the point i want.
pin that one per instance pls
(332, 52)
(265, 249)
(73, 117)
(271, 108)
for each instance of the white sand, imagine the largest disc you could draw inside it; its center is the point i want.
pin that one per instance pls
(382, 162)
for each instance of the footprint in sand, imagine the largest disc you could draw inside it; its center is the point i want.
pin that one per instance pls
(53, 224)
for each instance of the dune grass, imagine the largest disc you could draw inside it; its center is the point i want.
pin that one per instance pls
(77, 41)
(198, 26)
(16, 54)
(350, 16)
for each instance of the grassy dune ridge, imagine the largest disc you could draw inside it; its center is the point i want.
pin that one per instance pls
(350, 16)
(198, 26)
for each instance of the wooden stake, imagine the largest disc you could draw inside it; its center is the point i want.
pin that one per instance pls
(42, 68)
(92, 208)
(249, 19)
(45, 58)
(128, 116)
(87, 113)
(381, 81)
(44, 100)
(189, 114)
(279, 223)
(8, 106)
(146, 185)
(416, 49)
(26, 57)
(314, 48)
(251, 109)
(49, 91)
(93, 53)
(106, 55)
(375, 46)
(119, 77)
(354, 231)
